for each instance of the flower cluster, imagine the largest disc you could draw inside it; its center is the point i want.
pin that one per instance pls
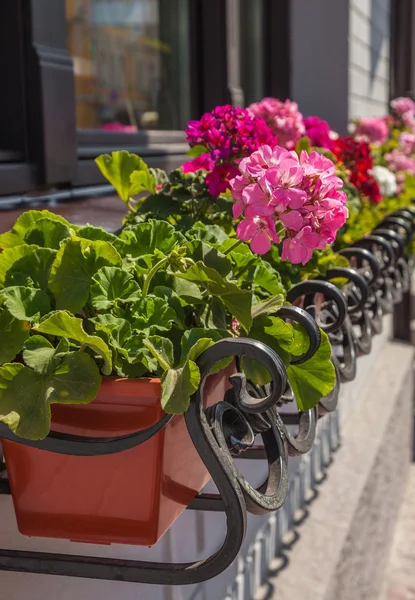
(401, 160)
(386, 181)
(299, 196)
(283, 118)
(374, 130)
(358, 160)
(228, 133)
(404, 109)
(319, 132)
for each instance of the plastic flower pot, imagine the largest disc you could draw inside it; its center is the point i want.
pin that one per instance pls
(132, 497)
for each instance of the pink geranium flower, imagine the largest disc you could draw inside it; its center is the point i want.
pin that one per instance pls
(372, 129)
(302, 195)
(259, 231)
(200, 163)
(403, 105)
(300, 248)
(283, 118)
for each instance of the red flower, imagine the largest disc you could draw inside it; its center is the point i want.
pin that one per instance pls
(357, 158)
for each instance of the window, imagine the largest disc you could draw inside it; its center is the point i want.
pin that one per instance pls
(131, 63)
(86, 77)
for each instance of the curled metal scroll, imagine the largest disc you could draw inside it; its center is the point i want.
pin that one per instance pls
(394, 274)
(384, 253)
(319, 298)
(272, 494)
(331, 315)
(403, 227)
(356, 291)
(367, 265)
(303, 318)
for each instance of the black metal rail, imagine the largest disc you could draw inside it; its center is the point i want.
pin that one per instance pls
(377, 280)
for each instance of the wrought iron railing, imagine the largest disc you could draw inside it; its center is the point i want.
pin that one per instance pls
(378, 279)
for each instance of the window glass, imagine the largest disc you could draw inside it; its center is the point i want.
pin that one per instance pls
(131, 63)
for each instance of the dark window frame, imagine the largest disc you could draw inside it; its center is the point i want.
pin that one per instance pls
(402, 45)
(44, 150)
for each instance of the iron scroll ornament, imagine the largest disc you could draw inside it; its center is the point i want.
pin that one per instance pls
(331, 314)
(306, 421)
(356, 291)
(368, 266)
(385, 255)
(217, 439)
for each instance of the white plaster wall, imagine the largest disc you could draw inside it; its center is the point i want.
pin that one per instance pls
(369, 46)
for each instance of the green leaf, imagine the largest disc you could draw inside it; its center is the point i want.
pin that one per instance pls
(27, 261)
(192, 336)
(24, 223)
(145, 238)
(13, 334)
(160, 176)
(118, 329)
(268, 279)
(152, 314)
(177, 386)
(162, 350)
(41, 356)
(197, 150)
(207, 233)
(195, 341)
(237, 301)
(283, 332)
(47, 233)
(26, 396)
(118, 167)
(275, 333)
(303, 144)
(160, 206)
(136, 352)
(270, 306)
(61, 324)
(111, 284)
(213, 315)
(212, 258)
(95, 234)
(24, 303)
(312, 380)
(255, 371)
(73, 269)
(173, 300)
(301, 341)
(142, 181)
(189, 293)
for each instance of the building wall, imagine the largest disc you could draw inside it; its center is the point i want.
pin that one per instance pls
(369, 50)
(340, 58)
(319, 59)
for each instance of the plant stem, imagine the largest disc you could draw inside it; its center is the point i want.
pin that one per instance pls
(232, 247)
(151, 274)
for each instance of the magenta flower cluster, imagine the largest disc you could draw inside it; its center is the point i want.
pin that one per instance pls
(229, 133)
(319, 132)
(283, 118)
(283, 196)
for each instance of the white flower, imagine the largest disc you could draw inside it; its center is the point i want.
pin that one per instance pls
(386, 180)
